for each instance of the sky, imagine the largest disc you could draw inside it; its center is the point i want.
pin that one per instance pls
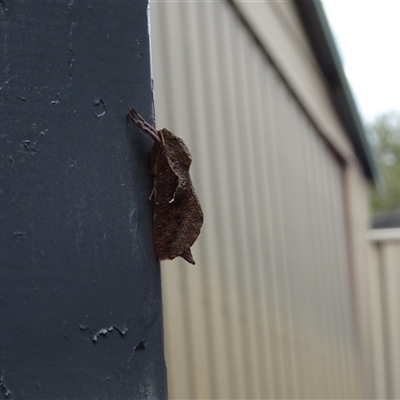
(367, 35)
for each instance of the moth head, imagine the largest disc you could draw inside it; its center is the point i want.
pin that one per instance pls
(166, 133)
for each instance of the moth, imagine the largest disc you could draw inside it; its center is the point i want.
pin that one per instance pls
(178, 216)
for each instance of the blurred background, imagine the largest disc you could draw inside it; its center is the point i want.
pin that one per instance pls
(290, 110)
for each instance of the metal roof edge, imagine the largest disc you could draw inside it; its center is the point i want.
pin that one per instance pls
(322, 42)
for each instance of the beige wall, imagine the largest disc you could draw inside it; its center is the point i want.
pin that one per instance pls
(269, 309)
(356, 195)
(384, 281)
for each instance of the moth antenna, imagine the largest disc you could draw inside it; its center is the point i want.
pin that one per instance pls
(141, 123)
(162, 137)
(152, 193)
(133, 111)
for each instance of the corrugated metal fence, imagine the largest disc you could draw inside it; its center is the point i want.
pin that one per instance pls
(266, 312)
(384, 281)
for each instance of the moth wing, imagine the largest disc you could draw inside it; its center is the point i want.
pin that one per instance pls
(184, 155)
(177, 228)
(178, 216)
(188, 256)
(178, 154)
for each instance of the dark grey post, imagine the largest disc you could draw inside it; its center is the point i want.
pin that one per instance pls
(80, 298)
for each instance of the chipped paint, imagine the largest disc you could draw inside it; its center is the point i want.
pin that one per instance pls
(99, 107)
(103, 331)
(3, 387)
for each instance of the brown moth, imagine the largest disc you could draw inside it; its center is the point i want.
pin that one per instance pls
(177, 212)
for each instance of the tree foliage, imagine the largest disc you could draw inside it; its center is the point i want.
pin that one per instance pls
(385, 138)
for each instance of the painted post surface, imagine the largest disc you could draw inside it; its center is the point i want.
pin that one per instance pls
(80, 297)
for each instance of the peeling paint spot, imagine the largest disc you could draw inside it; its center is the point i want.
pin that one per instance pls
(7, 82)
(139, 56)
(20, 234)
(140, 346)
(71, 63)
(27, 146)
(99, 107)
(21, 98)
(57, 101)
(73, 25)
(6, 391)
(72, 60)
(103, 331)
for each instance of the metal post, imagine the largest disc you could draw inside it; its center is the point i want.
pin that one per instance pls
(80, 296)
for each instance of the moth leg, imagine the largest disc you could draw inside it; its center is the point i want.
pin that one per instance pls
(141, 123)
(152, 193)
(173, 198)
